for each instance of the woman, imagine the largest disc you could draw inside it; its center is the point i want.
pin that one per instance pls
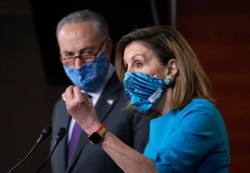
(161, 73)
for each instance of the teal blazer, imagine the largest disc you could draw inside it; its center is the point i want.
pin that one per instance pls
(191, 140)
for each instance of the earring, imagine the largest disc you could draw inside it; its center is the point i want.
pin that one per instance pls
(168, 81)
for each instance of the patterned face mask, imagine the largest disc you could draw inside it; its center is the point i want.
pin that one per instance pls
(90, 76)
(144, 90)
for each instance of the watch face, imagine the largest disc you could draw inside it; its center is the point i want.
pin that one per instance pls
(95, 138)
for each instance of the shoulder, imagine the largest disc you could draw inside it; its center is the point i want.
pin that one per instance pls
(59, 104)
(200, 112)
(200, 105)
(59, 109)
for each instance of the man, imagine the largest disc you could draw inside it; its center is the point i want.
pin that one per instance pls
(85, 49)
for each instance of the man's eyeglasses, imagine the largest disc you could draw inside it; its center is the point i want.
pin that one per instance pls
(86, 57)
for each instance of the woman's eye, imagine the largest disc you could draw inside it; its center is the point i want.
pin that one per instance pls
(139, 65)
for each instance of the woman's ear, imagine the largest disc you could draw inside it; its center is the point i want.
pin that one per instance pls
(172, 68)
(171, 71)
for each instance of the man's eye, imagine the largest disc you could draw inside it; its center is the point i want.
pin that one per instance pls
(88, 52)
(68, 54)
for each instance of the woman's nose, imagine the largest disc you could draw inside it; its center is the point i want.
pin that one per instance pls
(128, 68)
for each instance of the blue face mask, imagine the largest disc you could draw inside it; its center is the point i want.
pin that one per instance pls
(90, 76)
(144, 90)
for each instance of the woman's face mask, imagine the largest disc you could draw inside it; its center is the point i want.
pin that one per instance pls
(90, 76)
(144, 90)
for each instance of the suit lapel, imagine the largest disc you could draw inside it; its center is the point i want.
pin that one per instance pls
(105, 103)
(62, 147)
(103, 106)
(65, 146)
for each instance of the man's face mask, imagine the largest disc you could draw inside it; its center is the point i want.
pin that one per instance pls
(144, 90)
(91, 75)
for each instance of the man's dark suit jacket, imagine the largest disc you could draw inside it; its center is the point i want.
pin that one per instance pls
(88, 158)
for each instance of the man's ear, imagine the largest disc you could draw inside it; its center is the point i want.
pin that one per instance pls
(108, 47)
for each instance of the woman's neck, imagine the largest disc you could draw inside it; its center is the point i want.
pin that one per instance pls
(164, 103)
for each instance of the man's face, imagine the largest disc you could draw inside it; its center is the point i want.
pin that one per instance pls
(79, 43)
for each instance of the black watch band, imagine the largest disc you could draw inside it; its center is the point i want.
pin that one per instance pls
(98, 136)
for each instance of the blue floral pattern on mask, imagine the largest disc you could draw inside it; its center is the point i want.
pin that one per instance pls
(89, 76)
(143, 90)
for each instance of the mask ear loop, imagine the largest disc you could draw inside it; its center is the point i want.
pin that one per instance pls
(168, 81)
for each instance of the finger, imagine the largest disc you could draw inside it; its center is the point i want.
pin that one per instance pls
(77, 93)
(76, 90)
(68, 94)
(63, 97)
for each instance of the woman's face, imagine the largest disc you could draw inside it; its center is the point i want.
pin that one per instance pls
(137, 57)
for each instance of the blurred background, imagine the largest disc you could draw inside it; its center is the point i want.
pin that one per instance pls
(32, 79)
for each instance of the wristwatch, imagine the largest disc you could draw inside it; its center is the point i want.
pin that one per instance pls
(98, 136)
